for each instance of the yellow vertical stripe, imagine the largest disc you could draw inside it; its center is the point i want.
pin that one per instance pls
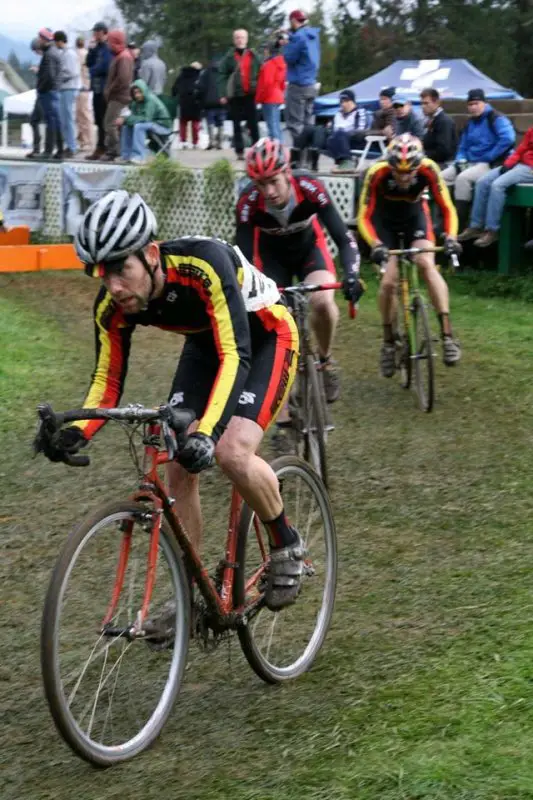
(100, 379)
(364, 225)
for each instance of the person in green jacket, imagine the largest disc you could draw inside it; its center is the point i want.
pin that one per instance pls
(146, 113)
(237, 75)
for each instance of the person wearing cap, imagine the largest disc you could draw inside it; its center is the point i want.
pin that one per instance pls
(405, 119)
(302, 55)
(47, 92)
(349, 125)
(153, 70)
(237, 75)
(98, 61)
(383, 120)
(486, 141)
(440, 135)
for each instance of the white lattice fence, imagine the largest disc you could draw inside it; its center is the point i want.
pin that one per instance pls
(199, 208)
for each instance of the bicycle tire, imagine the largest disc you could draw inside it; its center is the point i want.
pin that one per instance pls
(100, 755)
(268, 672)
(424, 355)
(314, 450)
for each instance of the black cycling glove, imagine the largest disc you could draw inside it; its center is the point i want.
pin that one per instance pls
(61, 444)
(353, 288)
(198, 453)
(379, 254)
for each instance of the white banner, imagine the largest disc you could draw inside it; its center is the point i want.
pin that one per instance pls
(80, 189)
(22, 194)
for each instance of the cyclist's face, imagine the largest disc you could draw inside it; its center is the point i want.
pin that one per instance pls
(129, 285)
(276, 190)
(403, 179)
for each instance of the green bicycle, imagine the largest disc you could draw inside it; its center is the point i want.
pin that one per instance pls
(414, 341)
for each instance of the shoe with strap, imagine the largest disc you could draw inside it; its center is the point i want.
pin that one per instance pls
(332, 379)
(387, 360)
(451, 351)
(284, 574)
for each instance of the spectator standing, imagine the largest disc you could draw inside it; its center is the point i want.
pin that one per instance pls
(440, 135)
(147, 113)
(98, 61)
(153, 69)
(271, 88)
(490, 191)
(37, 115)
(84, 119)
(47, 92)
(302, 54)
(136, 55)
(238, 72)
(209, 98)
(349, 127)
(186, 88)
(405, 119)
(487, 139)
(117, 91)
(69, 86)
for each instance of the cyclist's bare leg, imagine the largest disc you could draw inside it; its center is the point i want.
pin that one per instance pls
(437, 286)
(181, 484)
(254, 479)
(388, 299)
(324, 312)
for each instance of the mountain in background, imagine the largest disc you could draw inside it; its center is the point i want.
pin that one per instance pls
(21, 50)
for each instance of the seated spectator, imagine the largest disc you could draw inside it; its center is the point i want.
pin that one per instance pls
(349, 126)
(440, 137)
(486, 141)
(489, 194)
(153, 70)
(405, 119)
(209, 99)
(270, 90)
(186, 88)
(383, 121)
(147, 113)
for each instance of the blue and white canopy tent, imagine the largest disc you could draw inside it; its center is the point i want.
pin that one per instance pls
(452, 78)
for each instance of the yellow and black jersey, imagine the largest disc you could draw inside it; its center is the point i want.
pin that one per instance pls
(209, 287)
(382, 199)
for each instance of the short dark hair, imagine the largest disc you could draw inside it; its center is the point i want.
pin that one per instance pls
(60, 36)
(100, 26)
(430, 92)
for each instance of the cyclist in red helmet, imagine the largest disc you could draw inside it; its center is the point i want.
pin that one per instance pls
(392, 203)
(281, 216)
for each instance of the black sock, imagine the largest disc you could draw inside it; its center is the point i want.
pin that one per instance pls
(280, 533)
(388, 334)
(442, 319)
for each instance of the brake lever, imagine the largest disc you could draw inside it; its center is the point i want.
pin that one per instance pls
(169, 439)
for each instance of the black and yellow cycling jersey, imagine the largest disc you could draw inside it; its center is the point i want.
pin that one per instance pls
(384, 204)
(213, 296)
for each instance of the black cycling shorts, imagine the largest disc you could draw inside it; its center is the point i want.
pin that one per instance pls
(282, 267)
(273, 366)
(413, 226)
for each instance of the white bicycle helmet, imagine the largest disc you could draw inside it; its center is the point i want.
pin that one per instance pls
(114, 227)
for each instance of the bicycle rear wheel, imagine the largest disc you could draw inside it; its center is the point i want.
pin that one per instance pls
(281, 645)
(110, 694)
(423, 358)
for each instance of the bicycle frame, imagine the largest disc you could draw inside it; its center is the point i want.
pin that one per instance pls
(151, 489)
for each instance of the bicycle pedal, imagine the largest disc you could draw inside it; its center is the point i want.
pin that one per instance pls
(328, 428)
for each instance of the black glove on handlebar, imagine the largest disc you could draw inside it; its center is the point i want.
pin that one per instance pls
(379, 254)
(198, 453)
(353, 288)
(61, 444)
(451, 246)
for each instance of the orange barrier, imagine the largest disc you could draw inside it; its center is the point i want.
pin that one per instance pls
(18, 235)
(36, 257)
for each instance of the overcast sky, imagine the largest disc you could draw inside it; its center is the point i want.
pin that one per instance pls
(22, 20)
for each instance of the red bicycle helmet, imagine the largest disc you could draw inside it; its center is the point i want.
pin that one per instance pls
(266, 158)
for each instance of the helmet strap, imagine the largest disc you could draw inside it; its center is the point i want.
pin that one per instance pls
(142, 258)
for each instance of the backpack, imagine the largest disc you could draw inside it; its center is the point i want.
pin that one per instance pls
(491, 118)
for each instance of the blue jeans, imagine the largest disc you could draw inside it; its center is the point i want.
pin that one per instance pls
(67, 106)
(216, 117)
(133, 138)
(489, 196)
(272, 117)
(50, 107)
(338, 146)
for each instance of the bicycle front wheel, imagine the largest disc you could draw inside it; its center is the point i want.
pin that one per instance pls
(282, 645)
(423, 357)
(314, 422)
(110, 692)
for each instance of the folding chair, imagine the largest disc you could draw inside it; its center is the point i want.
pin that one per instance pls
(161, 143)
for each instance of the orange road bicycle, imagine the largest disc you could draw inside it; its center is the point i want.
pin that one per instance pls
(129, 591)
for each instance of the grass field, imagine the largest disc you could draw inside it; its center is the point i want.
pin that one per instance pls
(424, 688)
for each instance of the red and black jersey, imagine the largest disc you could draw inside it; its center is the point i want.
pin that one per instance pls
(263, 238)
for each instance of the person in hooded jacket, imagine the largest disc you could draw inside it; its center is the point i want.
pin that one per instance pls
(302, 54)
(209, 99)
(270, 90)
(117, 90)
(99, 59)
(153, 70)
(186, 89)
(146, 113)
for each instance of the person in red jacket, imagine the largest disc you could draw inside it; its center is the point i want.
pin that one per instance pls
(489, 197)
(271, 88)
